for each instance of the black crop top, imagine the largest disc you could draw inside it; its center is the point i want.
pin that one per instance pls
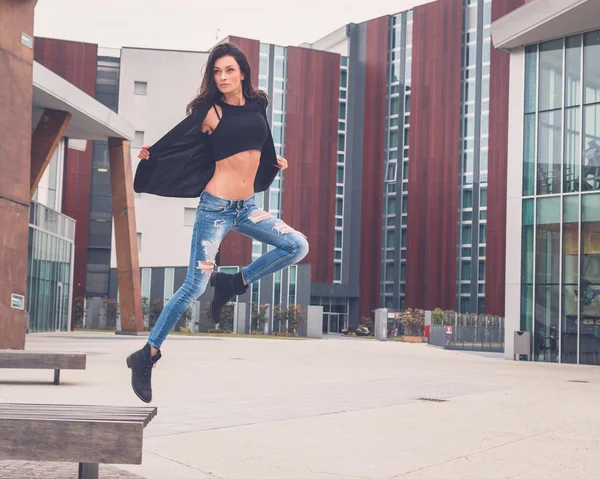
(240, 128)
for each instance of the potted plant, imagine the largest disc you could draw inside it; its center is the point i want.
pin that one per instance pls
(413, 321)
(111, 307)
(258, 318)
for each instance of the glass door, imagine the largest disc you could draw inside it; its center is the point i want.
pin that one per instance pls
(58, 313)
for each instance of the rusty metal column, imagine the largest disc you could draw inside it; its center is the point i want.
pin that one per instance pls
(16, 74)
(128, 269)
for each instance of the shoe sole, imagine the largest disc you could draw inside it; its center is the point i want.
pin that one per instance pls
(129, 365)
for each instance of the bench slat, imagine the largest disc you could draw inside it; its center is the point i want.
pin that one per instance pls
(68, 441)
(77, 413)
(16, 359)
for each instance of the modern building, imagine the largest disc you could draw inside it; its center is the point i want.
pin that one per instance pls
(553, 205)
(422, 85)
(397, 175)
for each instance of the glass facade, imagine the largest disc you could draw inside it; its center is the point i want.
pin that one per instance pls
(396, 161)
(473, 161)
(341, 172)
(100, 223)
(335, 313)
(272, 79)
(560, 273)
(49, 269)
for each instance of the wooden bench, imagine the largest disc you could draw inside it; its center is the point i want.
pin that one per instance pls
(89, 435)
(41, 360)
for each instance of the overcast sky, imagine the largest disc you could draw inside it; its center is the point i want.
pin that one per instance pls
(193, 24)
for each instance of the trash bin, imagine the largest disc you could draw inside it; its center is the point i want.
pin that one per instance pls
(522, 344)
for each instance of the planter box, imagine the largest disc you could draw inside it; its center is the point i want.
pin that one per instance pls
(184, 330)
(412, 339)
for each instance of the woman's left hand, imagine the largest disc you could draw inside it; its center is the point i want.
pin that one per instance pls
(282, 163)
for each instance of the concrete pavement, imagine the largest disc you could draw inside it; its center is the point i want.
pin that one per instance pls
(259, 408)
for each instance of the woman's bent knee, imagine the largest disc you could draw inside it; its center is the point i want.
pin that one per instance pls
(301, 246)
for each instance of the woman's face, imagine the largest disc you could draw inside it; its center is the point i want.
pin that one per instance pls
(228, 75)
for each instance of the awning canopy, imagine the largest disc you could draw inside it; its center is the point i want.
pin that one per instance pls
(90, 119)
(541, 20)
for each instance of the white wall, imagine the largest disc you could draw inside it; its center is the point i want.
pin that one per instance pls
(335, 42)
(50, 187)
(173, 79)
(514, 200)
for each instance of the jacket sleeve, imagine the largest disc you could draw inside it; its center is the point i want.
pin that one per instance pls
(180, 162)
(268, 168)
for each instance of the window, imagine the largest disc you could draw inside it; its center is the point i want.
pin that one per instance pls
(389, 271)
(277, 134)
(551, 74)
(278, 101)
(483, 197)
(591, 52)
(468, 198)
(338, 239)
(169, 280)
(391, 206)
(138, 139)
(292, 277)
(394, 139)
(341, 142)
(466, 234)
(279, 68)
(189, 216)
(139, 241)
(390, 238)
(391, 172)
(339, 206)
(140, 88)
(395, 106)
(344, 79)
(337, 272)
(145, 287)
(465, 274)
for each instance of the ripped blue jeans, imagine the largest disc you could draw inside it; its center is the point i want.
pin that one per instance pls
(215, 217)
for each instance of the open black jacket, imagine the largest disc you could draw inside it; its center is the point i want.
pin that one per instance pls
(181, 163)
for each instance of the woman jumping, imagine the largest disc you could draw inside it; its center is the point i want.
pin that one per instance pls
(222, 152)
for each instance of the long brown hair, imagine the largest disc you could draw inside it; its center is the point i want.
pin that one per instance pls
(208, 89)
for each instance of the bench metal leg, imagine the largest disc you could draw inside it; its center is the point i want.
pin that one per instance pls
(88, 471)
(57, 376)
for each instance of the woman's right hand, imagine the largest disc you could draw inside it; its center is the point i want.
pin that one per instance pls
(144, 153)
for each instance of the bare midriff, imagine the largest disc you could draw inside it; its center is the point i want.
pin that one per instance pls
(234, 176)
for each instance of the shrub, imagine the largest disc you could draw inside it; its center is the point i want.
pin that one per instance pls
(413, 321)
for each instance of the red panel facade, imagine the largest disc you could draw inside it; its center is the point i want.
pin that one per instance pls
(236, 249)
(251, 49)
(373, 158)
(434, 155)
(311, 148)
(75, 62)
(498, 144)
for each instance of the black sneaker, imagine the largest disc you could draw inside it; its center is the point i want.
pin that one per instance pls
(226, 287)
(141, 363)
